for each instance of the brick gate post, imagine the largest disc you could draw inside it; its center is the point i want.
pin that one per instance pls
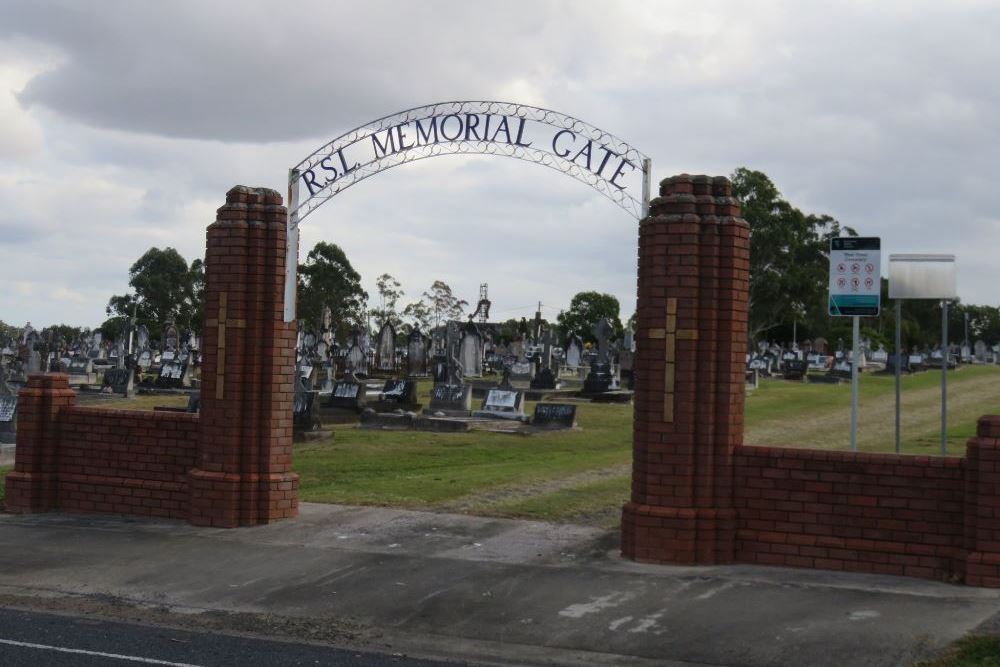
(32, 486)
(694, 257)
(244, 475)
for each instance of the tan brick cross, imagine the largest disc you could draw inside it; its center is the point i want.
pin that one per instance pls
(670, 335)
(220, 362)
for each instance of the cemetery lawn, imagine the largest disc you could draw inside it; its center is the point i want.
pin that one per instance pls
(3, 482)
(583, 476)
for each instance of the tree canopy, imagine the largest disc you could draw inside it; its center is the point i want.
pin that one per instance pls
(328, 279)
(164, 287)
(585, 310)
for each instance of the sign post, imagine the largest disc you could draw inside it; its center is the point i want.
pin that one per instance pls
(856, 292)
(292, 248)
(920, 276)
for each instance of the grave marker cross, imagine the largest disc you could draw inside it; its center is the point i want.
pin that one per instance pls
(221, 322)
(670, 335)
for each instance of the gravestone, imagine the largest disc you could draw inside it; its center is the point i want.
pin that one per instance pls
(416, 354)
(451, 399)
(398, 395)
(385, 348)
(841, 369)
(471, 351)
(795, 369)
(145, 360)
(980, 351)
(599, 380)
(890, 364)
(356, 361)
(522, 370)
(545, 375)
(8, 412)
(81, 371)
(917, 362)
(173, 375)
(504, 404)
(118, 381)
(554, 415)
(347, 395)
(305, 411)
(574, 351)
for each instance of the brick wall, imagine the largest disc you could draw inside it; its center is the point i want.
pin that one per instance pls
(229, 466)
(123, 462)
(881, 513)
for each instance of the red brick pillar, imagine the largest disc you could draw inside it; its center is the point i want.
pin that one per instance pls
(244, 475)
(694, 258)
(982, 505)
(32, 487)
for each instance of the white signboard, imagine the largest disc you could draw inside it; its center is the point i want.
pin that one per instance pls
(855, 276)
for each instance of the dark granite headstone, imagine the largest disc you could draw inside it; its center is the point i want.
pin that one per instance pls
(554, 415)
(399, 391)
(118, 381)
(795, 369)
(173, 375)
(305, 413)
(451, 398)
(8, 419)
(347, 395)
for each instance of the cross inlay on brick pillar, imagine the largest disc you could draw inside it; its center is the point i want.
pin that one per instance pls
(670, 335)
(221, 322)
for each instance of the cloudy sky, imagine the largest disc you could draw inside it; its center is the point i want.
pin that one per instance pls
(122, 125)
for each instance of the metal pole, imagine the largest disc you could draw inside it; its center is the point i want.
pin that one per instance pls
(855, 354)
(292, 247)
(795, 333)
(944, 378)
(899, 366)
(647, 175)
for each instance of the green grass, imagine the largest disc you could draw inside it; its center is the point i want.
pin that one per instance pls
(3, 482)
(973, 651)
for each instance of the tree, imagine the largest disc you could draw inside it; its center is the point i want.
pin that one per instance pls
(789, 256)
(442, 304)
(585, 310)
(164, 287)
(328, 279)
(419, 315)
(389, 293)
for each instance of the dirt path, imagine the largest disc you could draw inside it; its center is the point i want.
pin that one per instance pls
(921, 414)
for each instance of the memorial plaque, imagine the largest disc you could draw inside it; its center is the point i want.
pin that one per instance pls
(118, 380)
(346, 396)
(502, 403)
(451, 397)
(554, 415)
(399, 391)
(8, 406)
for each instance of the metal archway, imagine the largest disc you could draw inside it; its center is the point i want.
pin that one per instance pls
(572, 146)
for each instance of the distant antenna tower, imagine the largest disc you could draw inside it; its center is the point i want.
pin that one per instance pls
(483, 307)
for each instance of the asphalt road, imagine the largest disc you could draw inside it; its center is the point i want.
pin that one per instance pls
(33, 639)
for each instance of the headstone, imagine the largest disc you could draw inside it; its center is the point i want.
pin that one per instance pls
(8, 419)
(145, 360)
(399, 392)
(118, 381)
(347, 395)
(173, 375)
(600, 378)
(471, 352)
(356, 361)
(554, 415)
(416, 354)
(980, 351)
(385, 348)
(305, 411)
(574, 351)
(504, 404)
(880, 356)
(451, 398)
(795, 369)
